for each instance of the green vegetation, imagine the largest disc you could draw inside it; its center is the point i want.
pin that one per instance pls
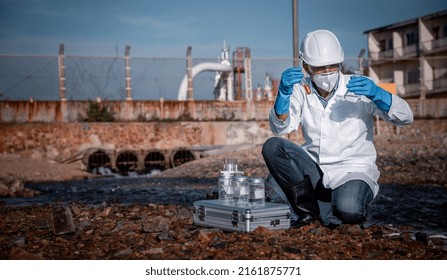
(98, 113)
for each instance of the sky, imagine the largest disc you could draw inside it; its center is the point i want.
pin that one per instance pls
(165, 29)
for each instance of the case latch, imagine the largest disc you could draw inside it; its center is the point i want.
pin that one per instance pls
(201, 213)
(235, 218)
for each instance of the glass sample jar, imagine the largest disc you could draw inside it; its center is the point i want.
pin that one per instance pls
(257, 192)
(226, 188)
(241, 190)
(350, 96)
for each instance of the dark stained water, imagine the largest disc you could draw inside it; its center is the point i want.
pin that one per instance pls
(122, 190)
(422, 207)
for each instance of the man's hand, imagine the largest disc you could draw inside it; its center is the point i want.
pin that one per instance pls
(365, 86)
(289, 77)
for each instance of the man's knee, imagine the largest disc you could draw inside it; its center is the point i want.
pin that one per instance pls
(269, 146)
(350, 217)
(349, 212)
(350, 202)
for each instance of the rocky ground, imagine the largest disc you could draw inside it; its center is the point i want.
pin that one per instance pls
(157, 231)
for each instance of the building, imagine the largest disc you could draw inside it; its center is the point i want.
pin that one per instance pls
(411, 54)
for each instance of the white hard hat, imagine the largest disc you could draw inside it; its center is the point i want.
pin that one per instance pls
(321, 48)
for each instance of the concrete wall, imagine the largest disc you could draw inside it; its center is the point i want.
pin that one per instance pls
(61, 141)
(56, 130)
(200, 110)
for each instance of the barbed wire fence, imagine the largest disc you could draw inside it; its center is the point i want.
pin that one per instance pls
(89, 77)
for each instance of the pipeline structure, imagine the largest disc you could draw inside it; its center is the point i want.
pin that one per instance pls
(232, 81)
(139, 161)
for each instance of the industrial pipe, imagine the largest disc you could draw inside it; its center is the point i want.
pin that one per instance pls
(206, 66)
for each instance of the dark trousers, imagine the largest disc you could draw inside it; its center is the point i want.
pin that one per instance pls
(288, 164)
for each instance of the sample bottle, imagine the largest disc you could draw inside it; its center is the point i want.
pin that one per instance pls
(225, 188)
(352, 97)
(257, 192)
(241, 191)
(303, 82)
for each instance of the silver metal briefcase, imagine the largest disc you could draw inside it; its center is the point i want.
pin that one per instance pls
(217, 214)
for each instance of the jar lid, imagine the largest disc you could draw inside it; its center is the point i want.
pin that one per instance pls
(256, 180)
(241, 178)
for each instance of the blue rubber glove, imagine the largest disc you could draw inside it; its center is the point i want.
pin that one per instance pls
(288, 78)
(364, 86)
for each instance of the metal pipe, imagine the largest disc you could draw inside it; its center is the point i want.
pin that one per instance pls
(183, 91)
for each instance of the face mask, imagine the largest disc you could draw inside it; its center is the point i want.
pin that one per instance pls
(326, 81)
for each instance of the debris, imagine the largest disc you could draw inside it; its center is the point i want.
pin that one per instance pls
(423, 237)
(62, 220)
(105, 212)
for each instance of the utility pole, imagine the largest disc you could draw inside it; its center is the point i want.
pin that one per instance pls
(295, 33)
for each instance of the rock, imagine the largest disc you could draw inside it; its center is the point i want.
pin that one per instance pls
(119, 226)
(76, 211)
(154, 251)
(350, 229)
(292, 250)
(62, 220)
(4, 190)
(319, 231)
(15, 186)
(20, 241)
(124, 253)
(184, 213)
(27, 193)
(156, 224)
(262, 230)
(165, 236)
(203, 237)
(423, 237)
(105, 212)
(20, 254)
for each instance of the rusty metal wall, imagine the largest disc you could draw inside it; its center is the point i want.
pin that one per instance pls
(206, 110)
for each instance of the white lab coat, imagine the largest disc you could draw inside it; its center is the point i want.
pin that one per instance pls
(340, 137)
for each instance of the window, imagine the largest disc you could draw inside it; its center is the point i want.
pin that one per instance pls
(382, 45)
(435, 31)
(411, 39)
(386, 44)
(390, 44)
(413, 76)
